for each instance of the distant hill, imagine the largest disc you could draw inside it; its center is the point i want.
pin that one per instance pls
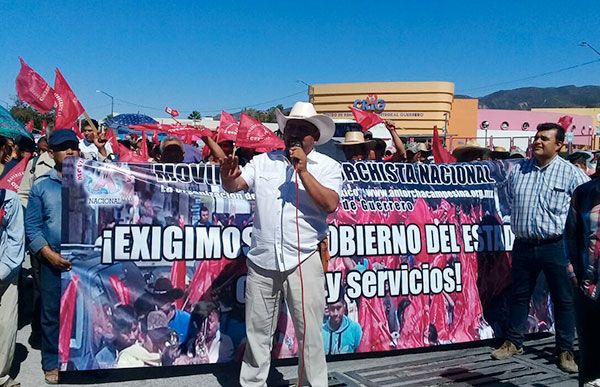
(527, 98)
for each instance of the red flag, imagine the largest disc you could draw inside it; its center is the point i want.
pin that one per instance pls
(171, 111)
(565, 122)
(178, 271)
(44, 126)
(29, 126)
(67, 312)
(77, 129)
(68, 107)
(228, 128)
(365, 119)
(155, 138)
(376, 332)
(33, 89)
(440, 154)
(112, 139)
(144, 147)
(12, 179)
(176, 130)
(121, 290)
(126, 155)
(253, 134)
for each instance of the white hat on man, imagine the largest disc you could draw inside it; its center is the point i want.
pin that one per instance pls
(306, 111)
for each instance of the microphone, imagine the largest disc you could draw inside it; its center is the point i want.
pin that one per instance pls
(293, 143)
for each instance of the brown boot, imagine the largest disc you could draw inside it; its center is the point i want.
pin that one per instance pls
(566, 362)
(506, 350)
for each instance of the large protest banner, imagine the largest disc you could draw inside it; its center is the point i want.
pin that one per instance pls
(420, 256)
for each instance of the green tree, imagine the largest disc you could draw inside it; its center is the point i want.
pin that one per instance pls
(25, 113)
(195, 115)
(264, 115)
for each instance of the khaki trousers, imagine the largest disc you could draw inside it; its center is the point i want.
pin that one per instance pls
(264, 290)
(9, 296)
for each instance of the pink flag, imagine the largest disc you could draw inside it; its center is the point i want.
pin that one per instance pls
(228, 128)
(253, 134)
(440, 154)
(565, 122)
(33, 89)
(29, 126)
(365, 119)
(12, 179)
(67, 312)
(68, 107)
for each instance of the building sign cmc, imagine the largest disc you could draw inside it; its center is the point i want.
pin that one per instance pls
(370, 103)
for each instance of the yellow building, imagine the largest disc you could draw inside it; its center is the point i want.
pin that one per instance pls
(416, 107)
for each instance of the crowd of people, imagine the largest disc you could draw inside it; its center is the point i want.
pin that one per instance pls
(547, 193)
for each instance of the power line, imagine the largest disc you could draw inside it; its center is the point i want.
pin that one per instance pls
(532, 76)
(213, 110)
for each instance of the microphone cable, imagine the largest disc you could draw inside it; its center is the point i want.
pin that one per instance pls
(301, 369)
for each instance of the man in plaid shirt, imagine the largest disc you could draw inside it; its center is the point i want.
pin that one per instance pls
(540, 191)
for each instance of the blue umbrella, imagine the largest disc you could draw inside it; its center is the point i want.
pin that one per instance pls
(122, 121)
(11, 128)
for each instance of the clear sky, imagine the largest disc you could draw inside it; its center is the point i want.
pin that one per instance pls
(208, 56)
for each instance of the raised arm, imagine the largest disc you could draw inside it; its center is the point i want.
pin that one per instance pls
(400, 150)
(231, 175)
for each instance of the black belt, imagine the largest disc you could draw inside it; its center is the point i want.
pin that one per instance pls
(539, 242)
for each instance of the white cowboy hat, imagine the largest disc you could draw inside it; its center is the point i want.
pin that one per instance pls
(306, 111)
(354, 137)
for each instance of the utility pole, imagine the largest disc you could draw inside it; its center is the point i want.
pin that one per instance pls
(112, 102)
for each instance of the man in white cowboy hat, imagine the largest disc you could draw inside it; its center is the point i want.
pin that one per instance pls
(417, 152)
(355, 146)
(295, 190)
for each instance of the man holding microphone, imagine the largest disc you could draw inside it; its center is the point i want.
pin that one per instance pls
(295, 190)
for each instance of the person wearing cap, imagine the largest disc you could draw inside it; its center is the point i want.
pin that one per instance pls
(580, 159)
(417, 152)
(517, 153)
(539, 191)
(355, 146)
(284, 258)
(36, 167)
(43, 224)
